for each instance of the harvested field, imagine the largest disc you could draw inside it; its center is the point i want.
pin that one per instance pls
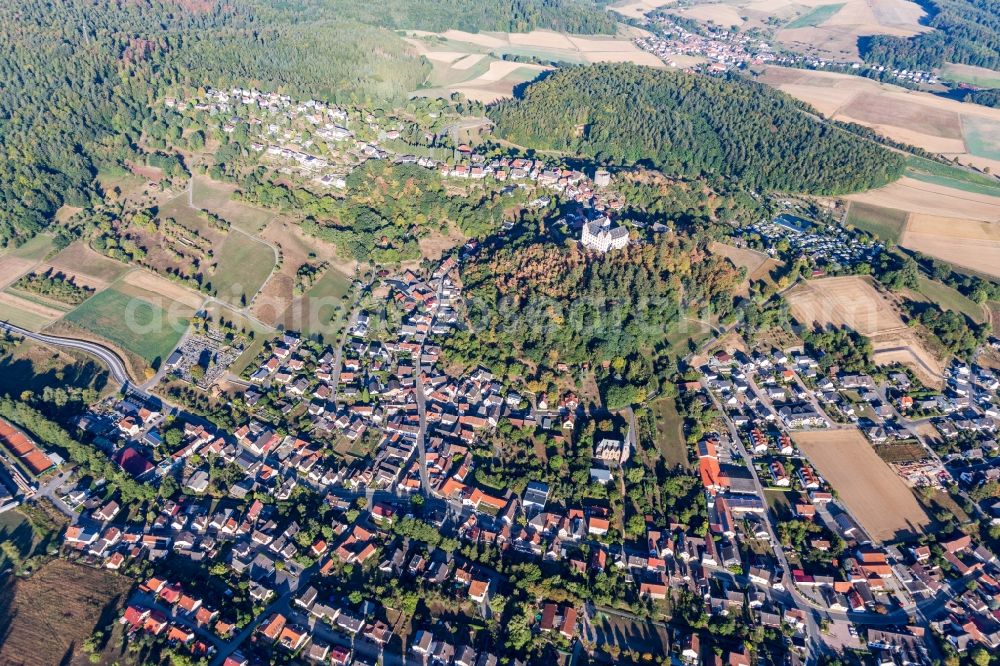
(467, 61)
(45, 619)
(160, 289)
(874, 109)
(12, 268)
(26, 313)
(91, 267)
(936, 124)
(844, 301)
(871, 491)
(853, 302)
(473, 64)
(966, 243)
(719, 14)
(443, 56)
(916, 196)
(637, 9)
(885, 223)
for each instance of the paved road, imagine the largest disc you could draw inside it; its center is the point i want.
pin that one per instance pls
(117, 367)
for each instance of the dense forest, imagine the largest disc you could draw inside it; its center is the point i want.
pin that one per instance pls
(79, 76)
(690, 125)
(988, 97)
(965, 31)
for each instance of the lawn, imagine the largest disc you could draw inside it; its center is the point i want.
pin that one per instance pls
(135, 325)
(35, 248)
(244, 264)
(951, 176)
(950, 299)
(814, 17)
(885, 223)
(669, 433)
(323, 309)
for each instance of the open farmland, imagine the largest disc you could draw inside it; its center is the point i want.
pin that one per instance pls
(815, 16)
(844, 301)
(45, 618)
(936, 124)
(26, 313)
(637, 9)
(885, 223)
(89, 267)
(977, 76)
(967, 243)
(916, 196)
(473, 63)
(871, 491)
(814, 27)
(296, 249)
(853, 302)
(149, 328)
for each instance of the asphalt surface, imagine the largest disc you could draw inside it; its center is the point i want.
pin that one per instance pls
(116, 366)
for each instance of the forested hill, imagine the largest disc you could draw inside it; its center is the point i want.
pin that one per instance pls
(965, 31)
(688, 125)
(79, 75)
(576, 16)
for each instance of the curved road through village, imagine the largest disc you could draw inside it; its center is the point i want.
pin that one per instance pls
(116, 366)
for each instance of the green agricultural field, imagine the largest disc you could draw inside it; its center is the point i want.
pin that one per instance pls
(982, 136)
(977, 76)
(545, 55)
(951, 176)
(885, 223)
(950, 299)
(244, 264)
(133, 324)
(814, 17)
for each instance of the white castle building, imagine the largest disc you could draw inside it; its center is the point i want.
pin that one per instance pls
(600, 236)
